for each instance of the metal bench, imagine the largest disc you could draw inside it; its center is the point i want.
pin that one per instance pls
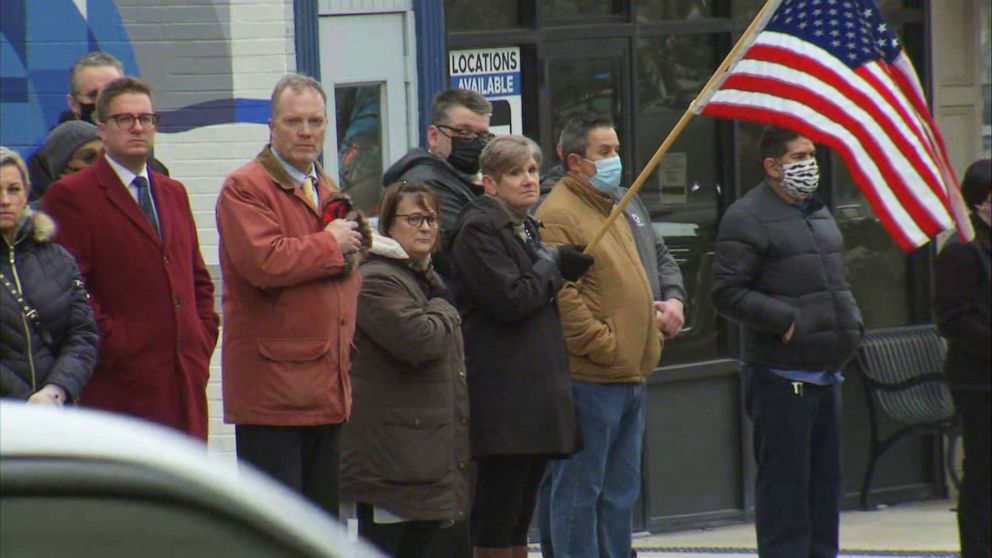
(903, 377)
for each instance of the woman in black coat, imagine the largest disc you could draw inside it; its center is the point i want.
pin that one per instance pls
(518, 378)
(962, 300)
(48, 337)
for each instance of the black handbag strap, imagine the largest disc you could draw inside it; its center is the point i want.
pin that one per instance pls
(29, 312)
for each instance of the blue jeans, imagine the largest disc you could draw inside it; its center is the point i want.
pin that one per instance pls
(588, 499)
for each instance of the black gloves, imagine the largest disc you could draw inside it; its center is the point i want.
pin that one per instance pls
(572, 263)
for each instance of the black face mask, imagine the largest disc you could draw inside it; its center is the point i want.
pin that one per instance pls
(464, 154)
(86, 111)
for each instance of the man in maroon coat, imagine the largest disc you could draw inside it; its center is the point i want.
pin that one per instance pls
(133, 235)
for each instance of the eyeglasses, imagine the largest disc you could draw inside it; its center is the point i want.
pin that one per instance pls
(416, 220)
(126, 121)
(467, 135)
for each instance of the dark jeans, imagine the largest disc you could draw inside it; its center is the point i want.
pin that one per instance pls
(407, 539)
(305, 458)
(975, 497)
(797, 446)
(505, 493)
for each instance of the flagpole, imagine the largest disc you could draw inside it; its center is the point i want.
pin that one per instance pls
(677, 130)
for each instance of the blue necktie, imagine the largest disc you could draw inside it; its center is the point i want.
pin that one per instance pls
(145, 202)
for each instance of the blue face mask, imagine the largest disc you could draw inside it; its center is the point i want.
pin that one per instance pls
(608, 173)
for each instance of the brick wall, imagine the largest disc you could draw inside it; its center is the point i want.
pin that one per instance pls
(259, 40)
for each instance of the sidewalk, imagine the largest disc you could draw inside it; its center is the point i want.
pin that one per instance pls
(919, 529)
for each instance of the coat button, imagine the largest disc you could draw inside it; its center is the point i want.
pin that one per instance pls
(461, 373)
(165, 259)
(416, 422)
(176, 301)
(464, 421)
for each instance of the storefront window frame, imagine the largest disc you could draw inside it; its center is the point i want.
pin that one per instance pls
(536, 34)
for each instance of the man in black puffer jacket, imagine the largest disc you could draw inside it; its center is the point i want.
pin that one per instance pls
(779, 272)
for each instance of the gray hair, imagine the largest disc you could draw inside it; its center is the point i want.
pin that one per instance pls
(505, 153)
(95, 59)
(574, 136)
(451, 98)
(296, 82)
(10, 157)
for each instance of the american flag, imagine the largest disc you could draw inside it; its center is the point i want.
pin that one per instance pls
(833, 71)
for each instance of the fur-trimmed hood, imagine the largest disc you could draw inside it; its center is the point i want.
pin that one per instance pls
(36, 225)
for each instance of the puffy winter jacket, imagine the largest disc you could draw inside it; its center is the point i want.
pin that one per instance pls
(45, 275)
(777, 265)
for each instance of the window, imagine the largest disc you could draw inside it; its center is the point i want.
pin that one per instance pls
(984, 10)
(359, 127)
(683, 194)
(472, 15)
(584, 86)
(876, 266)
(677, 10)
(572, 9)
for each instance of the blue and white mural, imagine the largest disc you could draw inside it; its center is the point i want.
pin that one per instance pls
(182, 49)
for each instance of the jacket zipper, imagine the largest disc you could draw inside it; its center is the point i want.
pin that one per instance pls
(24, 319)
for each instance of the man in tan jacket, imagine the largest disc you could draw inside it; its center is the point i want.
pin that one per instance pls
(614, 323)
(290, 297)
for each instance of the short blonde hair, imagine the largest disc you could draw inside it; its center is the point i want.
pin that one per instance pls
(505, 153)
(10, 157)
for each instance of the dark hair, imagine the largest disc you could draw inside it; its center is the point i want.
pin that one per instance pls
(423, 194)
(773, 142)
(574, 136)
(977, 182)
(116, 88)
(95, 59)
(451, 98)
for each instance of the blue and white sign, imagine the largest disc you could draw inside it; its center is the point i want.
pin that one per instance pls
(494, 72)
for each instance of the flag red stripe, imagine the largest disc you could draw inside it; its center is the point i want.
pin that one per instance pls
(919, 103)
(825, 74)
(905, 75)
(770, 117)
(916, 123)
(895, 182)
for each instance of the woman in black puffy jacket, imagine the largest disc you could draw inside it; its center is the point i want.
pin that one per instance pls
(48, 336)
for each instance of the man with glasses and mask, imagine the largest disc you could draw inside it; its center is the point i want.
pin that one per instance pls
(134, 238)
(459, 130)
(290, 300)
(779, 272)
(87, 77)
(614, 324)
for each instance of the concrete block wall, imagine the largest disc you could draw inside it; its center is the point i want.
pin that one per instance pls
(259, 49)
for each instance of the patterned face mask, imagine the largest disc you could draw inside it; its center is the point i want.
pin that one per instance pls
(801, 179)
